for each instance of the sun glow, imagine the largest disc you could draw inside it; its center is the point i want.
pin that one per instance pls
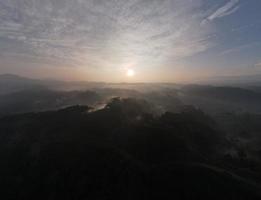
(130, 72)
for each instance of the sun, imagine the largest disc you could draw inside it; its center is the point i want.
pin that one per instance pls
(130, 72)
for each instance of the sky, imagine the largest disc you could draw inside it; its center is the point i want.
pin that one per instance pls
(158, 40)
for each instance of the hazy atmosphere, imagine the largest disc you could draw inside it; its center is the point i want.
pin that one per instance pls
(130, 99)
(161, 41)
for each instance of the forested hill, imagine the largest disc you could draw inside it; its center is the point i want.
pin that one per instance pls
(123, 151)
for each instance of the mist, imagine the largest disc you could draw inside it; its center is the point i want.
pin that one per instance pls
(130, 99)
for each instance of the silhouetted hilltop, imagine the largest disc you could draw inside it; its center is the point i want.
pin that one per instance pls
(121, 151)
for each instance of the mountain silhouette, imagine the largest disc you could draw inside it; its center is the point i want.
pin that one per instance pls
(121, 151)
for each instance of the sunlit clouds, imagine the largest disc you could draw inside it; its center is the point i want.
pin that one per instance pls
(108, 34)
(99, 33)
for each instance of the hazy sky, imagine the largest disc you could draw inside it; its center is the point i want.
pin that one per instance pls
(161, 40)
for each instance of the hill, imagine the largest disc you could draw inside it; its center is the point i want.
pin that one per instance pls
(122, 151)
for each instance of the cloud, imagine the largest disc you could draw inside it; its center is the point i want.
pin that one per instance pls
(258, 64)
(229, 8)
(240, 48)
(105, 33)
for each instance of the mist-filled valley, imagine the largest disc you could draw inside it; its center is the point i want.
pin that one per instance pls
(86, 140)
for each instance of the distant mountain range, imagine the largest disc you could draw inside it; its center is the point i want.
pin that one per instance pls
(248, 80)
(19, 94)
(16, 82)
(10, 83)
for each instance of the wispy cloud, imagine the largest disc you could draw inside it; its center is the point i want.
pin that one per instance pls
(229, 8)
(258, 64)
(240, 48)
(105, 33)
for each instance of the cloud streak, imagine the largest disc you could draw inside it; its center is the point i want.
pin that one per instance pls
(229, 8)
